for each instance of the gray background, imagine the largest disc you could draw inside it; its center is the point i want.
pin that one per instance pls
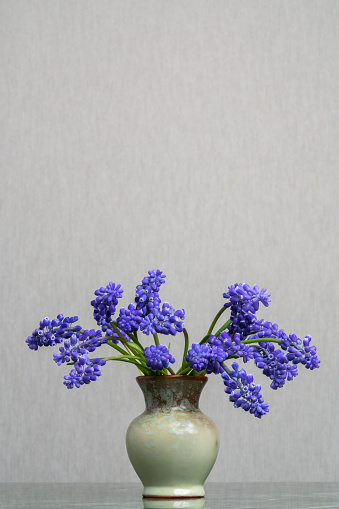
(198, 137)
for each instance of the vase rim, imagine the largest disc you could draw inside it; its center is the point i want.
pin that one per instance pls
(176, 377)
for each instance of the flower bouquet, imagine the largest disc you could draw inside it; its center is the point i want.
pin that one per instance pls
(172, 425)
(243, 336)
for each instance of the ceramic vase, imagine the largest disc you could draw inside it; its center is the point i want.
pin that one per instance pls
(172, 445)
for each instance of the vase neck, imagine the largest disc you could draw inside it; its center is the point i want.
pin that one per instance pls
(166, 393)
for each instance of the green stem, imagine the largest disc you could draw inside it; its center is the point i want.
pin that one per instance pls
(182, 371)
(118, 357)
(216, 318)
(136, 340)
(184, 362)
(144, 370)
(204, 339)
(261, 340)
(116, 326)
(131, 347)
(156, 339)
(186, 343)
(222, 328)
(113, 345)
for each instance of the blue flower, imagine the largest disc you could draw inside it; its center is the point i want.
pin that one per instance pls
(297, 351)
(244, 303)
(78, 345)
(84, 372)
(167, 321)
(243, 392)
(232, 347)
(147, 325)
(147, 294)
(105, 305)
(52, 332)
(155, 279)
(274, 364)
(198, 356)
(158, 357)
(72, 380)
(129, 319)
(147, 315)
(246, 298)
(206, 357)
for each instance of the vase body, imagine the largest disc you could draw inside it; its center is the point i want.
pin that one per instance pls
(172, 445)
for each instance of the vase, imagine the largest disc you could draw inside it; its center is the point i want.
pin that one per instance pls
(172, 445)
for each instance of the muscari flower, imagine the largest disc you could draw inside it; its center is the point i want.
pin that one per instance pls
(246, 298)
(129, 319)
(244, 303)
(206, 357)
(163, 323)
(51, 332)
(274, 364)
(105, 305)
(155, 279)
(244, 393)
(168, 321)
(147, 294)
(158, 357)
(298, 351)
(84, 373)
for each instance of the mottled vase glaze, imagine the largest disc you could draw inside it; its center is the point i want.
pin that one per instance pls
(172, 445)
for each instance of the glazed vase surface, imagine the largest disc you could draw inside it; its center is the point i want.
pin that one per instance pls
(172, 445)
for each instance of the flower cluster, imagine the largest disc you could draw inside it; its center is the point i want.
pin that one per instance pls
(210, 356)
(84, 373)
(158, 357)
(243, 300)
(105, 305)
(242, 336)
(147, 315)
(77, 344)
(243, 392)
(51, 332)
(206, 357)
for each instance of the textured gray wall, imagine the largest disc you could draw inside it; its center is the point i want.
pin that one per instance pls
(198, 137)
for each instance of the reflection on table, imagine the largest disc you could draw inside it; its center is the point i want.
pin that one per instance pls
(129, 496)
(189, 503)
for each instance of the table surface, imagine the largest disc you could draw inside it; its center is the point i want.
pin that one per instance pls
(129, 496)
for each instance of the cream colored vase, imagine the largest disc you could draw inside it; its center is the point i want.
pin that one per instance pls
(172, 445)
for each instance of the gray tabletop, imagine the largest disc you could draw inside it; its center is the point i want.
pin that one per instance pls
(128, 496)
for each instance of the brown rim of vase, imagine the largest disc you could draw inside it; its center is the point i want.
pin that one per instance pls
(186, 377)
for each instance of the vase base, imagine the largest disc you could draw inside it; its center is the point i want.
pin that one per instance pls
(170, 492)
(172, 497)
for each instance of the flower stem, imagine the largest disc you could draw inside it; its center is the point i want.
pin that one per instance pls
(204, 339)
(131, 347)
(222, 328)
(156, 339)
(182, 371)
(184, 362)
(261, 340)
(216, 318)
(113, 345)
(118, 357)
(186, 342)
(136, 340)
